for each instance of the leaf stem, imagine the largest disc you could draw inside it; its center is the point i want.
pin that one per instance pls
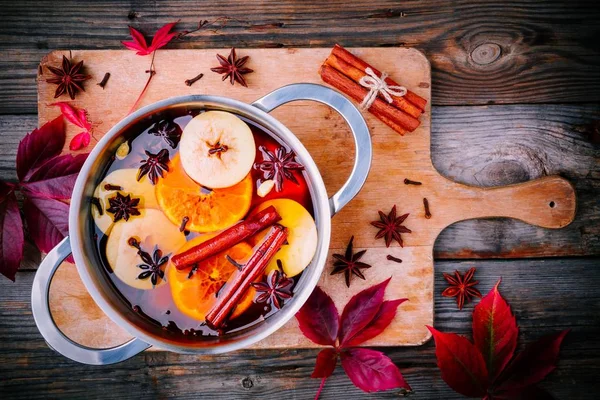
(320, 388)
(152, 72)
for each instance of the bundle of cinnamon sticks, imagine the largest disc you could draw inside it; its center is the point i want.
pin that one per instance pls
(344, 71)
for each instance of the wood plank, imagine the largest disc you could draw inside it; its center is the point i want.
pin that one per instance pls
(546, 296)
(483, 146)
(482, 52)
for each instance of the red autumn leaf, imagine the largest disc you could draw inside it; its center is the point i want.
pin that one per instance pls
(326, 361)
(372, 371)
(74, 116)
(532, 364)
(47, 220)
(56, 177)
(161, 38)
(77, 117)
(462, 365)
(495, 331)
(385, 315)
(360, 311)
(319, 319)
(80, 141)
(11, 232)
(39, 146)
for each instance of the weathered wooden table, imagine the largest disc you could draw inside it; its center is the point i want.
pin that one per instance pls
(516, 95)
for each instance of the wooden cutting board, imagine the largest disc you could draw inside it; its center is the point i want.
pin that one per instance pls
(547, 202)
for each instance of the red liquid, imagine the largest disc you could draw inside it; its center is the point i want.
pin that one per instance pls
(157, 304)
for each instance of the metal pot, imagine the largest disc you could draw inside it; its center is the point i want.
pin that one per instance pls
(98, 283)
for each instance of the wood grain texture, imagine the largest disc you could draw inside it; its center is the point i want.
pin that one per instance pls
(486, 146)
(546, 296)
(482, 52)
(548, 202)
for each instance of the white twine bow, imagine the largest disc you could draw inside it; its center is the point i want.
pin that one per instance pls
(378, 85)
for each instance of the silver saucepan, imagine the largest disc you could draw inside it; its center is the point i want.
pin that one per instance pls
(97, 282)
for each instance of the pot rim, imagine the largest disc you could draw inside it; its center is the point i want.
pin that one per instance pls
(254, 333)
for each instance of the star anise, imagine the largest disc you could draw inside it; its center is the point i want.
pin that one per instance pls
(68, 78)
(461, 287)
(276, 288)
(391, 227)
(152, 265)
(233, 68)
(154, 165)
(278, 166)
(349, 263)
(123, 207)
(168, 130)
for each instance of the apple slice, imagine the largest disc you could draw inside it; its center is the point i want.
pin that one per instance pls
(217, 149)
(152, 231)
(302, 236)
(122, 181)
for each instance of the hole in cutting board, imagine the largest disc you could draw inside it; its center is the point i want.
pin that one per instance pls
(552, 204)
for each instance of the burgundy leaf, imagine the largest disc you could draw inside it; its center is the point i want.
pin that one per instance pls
(11, 232)
(385, 315)
(360, 311)
(532, 364)
(372, 371)
(80, 141)
(462, 365)
(47, 219)
(56, 177)
(319, 319)
(495, 331)
(39, 146)
(326, 360)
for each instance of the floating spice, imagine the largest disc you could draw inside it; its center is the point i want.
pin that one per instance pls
(154, 166)
(461, 287)
(109, 186)
(426, 205)
(96, 202)
(275, 288)
(409, 182)
(123, 207)
(190, 82)
(68, 78)
(104, 80)
(278, 166)
(168, 130)
(152, 265)
(349, 263)
(233, 68)
(184, 222)
(390, 227)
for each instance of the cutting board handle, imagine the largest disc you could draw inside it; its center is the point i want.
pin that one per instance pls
(548, 202)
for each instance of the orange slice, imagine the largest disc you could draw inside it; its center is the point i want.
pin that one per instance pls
(196, 296)
(207, 210)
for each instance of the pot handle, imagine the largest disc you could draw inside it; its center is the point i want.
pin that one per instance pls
(353, 117)
(55, 339)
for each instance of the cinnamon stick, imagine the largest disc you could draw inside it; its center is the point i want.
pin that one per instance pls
(227, 238)
(356, 74)
(398, 120)
(233, 291)
(356, 62)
